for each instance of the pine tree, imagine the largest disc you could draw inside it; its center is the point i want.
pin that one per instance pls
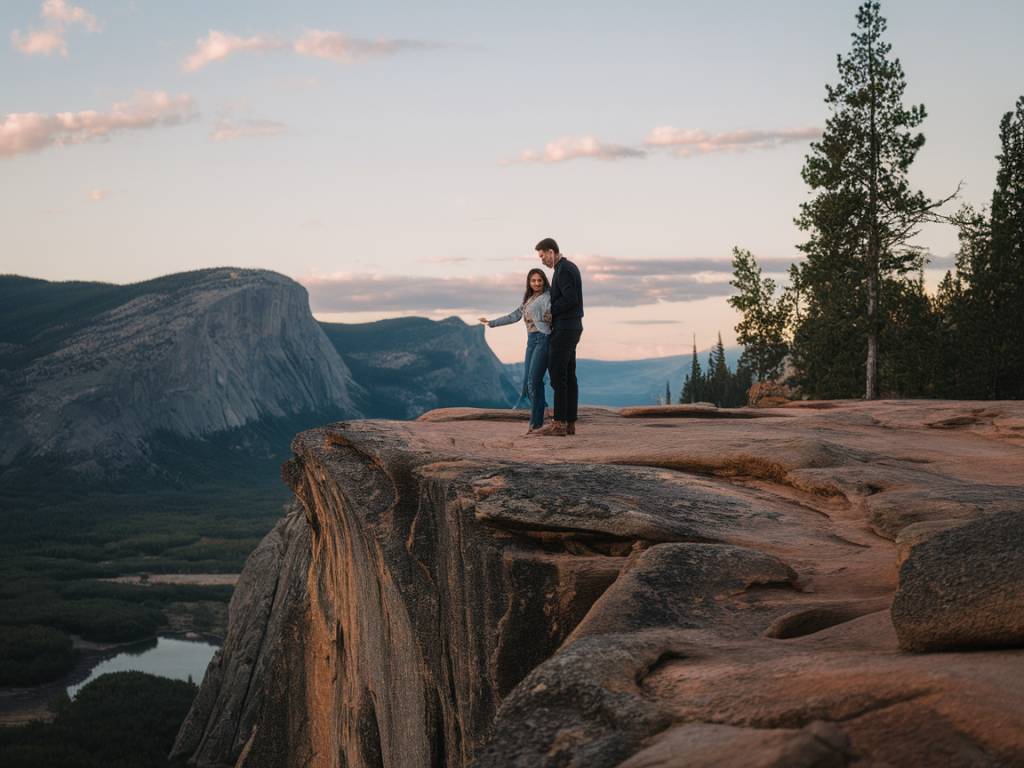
(710, 392)
(693, 385)
(966, 305)
(668, 394)
(719, 374)
(762, 331)
(983, 302)
(913, 334)
(1007, 229)
(864, 215)
(744, 379)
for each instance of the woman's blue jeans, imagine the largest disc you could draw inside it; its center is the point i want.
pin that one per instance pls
(533, 375)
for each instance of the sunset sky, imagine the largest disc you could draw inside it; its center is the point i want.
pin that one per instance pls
(404, 157)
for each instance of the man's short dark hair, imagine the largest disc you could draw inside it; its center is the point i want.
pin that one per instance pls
(547, 244)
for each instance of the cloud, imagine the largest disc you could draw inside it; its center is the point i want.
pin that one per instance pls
(601, 267)
(218, 45)
(98, 195)
(607, 282)
(683, 142)
(228, 129)
(943, 263)
(60, 12)
(338, 47)
(575, 147)
(686, 142)
(41, 42)
(25, 132)
(57, 15)
(318, 43)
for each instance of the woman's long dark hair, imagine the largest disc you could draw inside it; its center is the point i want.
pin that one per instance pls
(529, 290)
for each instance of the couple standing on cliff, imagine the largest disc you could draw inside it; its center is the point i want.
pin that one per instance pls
(553, 314)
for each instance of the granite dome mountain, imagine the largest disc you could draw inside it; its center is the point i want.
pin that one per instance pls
(99, 378)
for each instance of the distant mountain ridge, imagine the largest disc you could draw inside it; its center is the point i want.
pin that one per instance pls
(94, 372)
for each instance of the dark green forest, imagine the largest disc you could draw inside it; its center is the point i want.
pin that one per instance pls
(55, 549)
(119, 720)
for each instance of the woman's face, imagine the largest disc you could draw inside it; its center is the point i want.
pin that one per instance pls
(536, 283)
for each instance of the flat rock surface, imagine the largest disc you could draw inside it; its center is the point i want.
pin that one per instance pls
(659, 590)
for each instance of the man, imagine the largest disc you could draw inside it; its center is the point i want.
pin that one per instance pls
(566, 328)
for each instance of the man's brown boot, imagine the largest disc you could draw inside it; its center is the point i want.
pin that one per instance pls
(570, 428)
(554, 429)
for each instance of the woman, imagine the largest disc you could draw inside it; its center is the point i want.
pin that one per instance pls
(535, 311)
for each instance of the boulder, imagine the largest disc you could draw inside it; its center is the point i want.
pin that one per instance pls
(769, 394)
(964, 587)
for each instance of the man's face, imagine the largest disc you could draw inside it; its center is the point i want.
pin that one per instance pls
(547, 258)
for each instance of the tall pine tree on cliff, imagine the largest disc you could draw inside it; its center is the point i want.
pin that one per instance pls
(862, 218)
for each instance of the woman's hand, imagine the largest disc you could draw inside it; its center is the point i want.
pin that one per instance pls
(483, 320)
(547, 317)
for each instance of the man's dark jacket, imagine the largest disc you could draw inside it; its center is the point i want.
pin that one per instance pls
(566, 297)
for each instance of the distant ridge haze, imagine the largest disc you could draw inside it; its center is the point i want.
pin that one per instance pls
(621, 383)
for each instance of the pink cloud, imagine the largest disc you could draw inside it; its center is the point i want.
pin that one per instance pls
(25, 132)
(575, 147)
(218, 45)
(687, 142)
(40, 42)
(318, 43)
(60, 12)
(607, 282)
(57, 15)
(338, 47)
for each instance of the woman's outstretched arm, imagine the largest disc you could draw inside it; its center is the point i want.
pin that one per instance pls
(514, 316)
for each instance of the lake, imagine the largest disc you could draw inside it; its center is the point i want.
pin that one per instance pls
(166, 656)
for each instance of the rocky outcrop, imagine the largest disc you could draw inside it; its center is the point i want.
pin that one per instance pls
(267, 600)
(769, 394)
(651, 592)
(188, 355)
(964, 587)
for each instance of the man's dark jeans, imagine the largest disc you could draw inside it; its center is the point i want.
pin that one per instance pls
(562, 365)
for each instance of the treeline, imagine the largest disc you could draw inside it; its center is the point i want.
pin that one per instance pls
(717, 384)
(855, 319)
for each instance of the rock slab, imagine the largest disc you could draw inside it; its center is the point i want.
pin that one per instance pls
(964, 587)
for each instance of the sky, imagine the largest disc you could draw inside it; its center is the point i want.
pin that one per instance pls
(404, 158)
